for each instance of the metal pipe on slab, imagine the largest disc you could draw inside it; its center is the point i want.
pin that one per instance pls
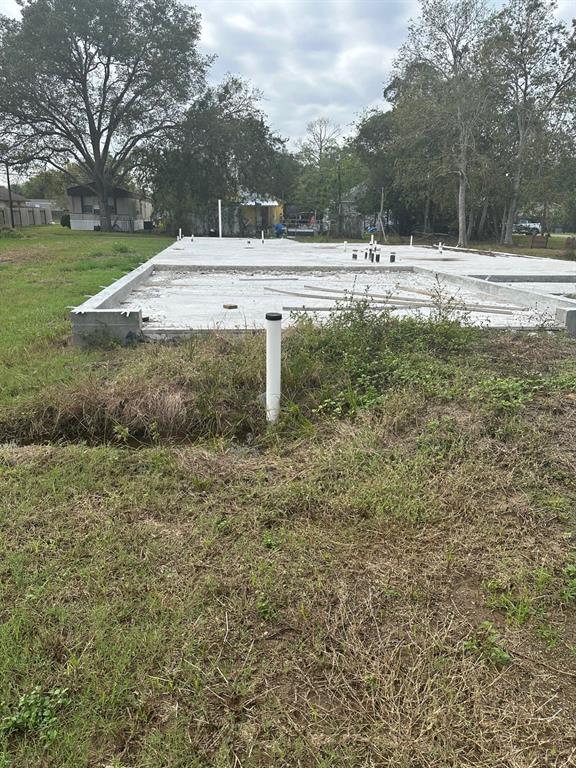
(273, 365)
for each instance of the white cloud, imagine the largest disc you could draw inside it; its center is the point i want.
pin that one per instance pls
(566, 10)
(9, 8)
(310, 58)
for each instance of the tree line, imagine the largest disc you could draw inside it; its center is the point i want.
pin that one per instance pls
(476, 124)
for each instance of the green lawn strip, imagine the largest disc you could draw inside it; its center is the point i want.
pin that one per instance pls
(42, 274)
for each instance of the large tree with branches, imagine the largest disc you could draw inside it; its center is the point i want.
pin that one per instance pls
(443, 45)
(532, 59)
(84, 83)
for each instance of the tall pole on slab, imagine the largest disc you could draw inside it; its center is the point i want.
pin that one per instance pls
(273, 365)
(219, 218)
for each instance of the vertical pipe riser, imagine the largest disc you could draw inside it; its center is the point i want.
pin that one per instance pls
(273, 365)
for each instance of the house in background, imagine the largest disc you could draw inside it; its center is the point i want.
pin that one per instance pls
(53, 210)
(129, 211)
(260, 213)
(24, 214)
(247, 216)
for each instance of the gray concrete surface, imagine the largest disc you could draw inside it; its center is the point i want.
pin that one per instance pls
(184, 288)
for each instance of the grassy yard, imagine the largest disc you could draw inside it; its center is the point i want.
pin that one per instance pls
(386, 578)
(41, 274)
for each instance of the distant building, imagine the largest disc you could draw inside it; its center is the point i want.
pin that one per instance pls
(24, 214)
(260, 213)
(247, 216)
(129, 211)
(54, 211)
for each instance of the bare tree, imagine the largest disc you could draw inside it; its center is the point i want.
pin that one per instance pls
(321, 138)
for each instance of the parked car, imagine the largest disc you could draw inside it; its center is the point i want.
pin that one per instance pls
(525, 227)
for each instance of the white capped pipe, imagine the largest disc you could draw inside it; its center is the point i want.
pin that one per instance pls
(262, 237)
(180, 234)
(219, 218)
(345, 245)
(273, 365)
(439, 247)
(411, 240)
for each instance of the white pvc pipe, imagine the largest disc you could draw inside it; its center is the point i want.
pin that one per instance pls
(411, 240)
(345, 245)
(180, 234)
(219, 218)
(273, 365)
(440, 247)
(262, 237)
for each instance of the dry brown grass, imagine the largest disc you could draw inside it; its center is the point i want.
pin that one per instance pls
(389, 587)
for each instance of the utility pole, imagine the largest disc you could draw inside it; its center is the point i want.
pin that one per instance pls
(10, 201)
(339, 199)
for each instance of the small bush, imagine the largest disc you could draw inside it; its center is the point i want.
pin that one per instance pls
(212, 386)
(504, 395)
(485, 643)
(122, 248)
(35, 713)
(65, 220)
(6, 233)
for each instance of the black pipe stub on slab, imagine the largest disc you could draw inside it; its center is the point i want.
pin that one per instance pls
(273, 316)
(392, 257)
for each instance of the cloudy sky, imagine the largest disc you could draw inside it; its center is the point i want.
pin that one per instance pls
(310, 58)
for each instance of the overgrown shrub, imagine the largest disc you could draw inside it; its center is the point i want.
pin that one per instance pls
(6, 233)
(213, 385)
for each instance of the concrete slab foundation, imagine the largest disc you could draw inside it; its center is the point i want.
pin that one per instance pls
(230, 284)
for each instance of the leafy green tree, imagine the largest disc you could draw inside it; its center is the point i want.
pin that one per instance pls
(329, 169)
(533, 63)
(443, 45)
(222, 146)
(90, 81)
(372, 144)
(49, 185)
(420, 147)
